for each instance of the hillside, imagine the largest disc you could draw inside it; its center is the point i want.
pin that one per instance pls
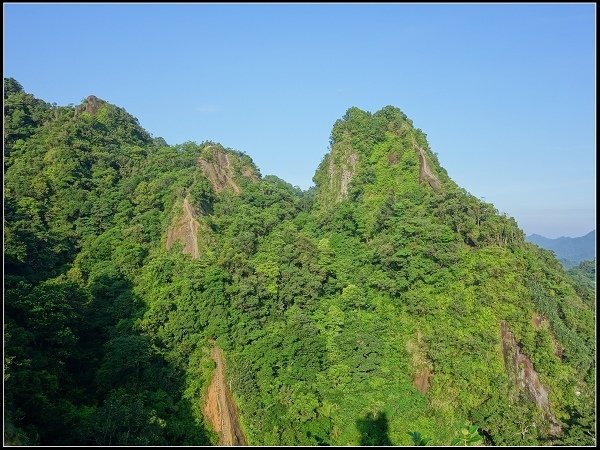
(570, 251)
(584, 276)
(386, 300)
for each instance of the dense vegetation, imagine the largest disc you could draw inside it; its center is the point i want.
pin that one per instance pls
(584, 277)
(359, 312)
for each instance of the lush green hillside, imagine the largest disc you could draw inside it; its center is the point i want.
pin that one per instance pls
(384, 301)
(570, 251)
(584, 277)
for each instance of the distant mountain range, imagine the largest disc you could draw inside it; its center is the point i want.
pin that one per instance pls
(570, 251)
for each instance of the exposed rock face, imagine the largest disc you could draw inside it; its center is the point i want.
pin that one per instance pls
(185, 230)
(219, 168)
(90, 105)
(219, 172)
(421, 366)
(426, 174)
(522, 374)
(341, 165)
(347, 172)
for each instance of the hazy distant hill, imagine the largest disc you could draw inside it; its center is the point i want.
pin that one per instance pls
(571, 251)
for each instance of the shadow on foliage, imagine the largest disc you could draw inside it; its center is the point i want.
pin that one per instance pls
(94, 379)
(373, 429)
(139, 393)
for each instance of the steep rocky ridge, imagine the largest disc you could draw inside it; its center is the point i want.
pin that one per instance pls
(522, 374)
(353, 160)
(185, 230)
(426, 175)
(226, 170)
(90, 105)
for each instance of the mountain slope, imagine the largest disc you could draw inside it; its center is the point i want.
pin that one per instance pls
(387, 300)
(570, 251)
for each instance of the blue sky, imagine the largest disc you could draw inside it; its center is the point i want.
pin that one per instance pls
(505, 93)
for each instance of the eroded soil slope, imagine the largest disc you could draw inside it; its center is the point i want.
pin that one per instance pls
(219, 408)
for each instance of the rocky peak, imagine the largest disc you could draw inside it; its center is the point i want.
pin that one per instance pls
(365, 146)
(90, 105)
(224, 169)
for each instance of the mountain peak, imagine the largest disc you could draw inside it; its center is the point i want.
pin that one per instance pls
(225, 168)
(90, 105)
(382, 148)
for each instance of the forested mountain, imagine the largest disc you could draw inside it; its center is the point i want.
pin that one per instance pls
(584, 276)
(384, 301)
(570, 251)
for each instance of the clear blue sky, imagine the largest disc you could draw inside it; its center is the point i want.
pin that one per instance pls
(505, 93)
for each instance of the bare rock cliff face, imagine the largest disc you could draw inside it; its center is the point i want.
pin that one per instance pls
(219, 168)
(90, 105)
(219, 172)
(522, 374)
(426, 175)
(220, 409)
(185, 230)
(347, 174)
(336, 173)
(339, 182)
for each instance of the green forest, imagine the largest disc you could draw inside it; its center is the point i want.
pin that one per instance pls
(384, 306)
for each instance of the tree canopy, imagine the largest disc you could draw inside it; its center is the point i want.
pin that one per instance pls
(366, 310)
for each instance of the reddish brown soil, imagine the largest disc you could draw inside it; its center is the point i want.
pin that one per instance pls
(421, 381)
(220, 409)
